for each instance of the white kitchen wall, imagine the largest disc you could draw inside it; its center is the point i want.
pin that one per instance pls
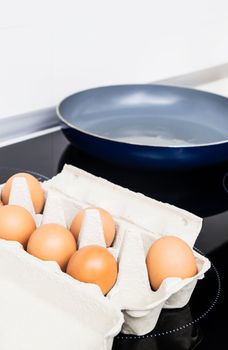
(49, 49)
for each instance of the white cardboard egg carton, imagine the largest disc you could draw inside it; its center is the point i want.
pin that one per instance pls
(52, 299)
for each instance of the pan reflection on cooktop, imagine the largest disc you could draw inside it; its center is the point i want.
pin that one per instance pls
(183, 189)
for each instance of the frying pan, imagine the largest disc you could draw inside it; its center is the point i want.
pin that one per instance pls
(148, 126)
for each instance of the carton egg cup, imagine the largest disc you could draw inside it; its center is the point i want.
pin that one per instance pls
(131, 305)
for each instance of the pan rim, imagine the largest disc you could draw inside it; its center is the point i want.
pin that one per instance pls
(91, 134)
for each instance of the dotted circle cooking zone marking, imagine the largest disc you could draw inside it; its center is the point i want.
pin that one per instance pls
(38, 176)
(171, 331)
(224, 182)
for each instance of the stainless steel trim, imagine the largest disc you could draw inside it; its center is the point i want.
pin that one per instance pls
(20, 127)
(199, 77)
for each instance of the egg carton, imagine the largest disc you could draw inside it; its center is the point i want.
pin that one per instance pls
(131, 305)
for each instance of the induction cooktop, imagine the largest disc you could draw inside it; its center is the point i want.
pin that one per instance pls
(202, 324)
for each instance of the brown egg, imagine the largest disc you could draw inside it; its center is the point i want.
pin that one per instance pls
(52, 242)
(37, 193)
(169, 256)
(94, 264)
(107, 221)
(16, 223)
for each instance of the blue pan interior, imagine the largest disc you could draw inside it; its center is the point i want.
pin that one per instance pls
(153, 117)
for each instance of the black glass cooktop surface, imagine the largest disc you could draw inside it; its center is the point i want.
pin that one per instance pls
(202, 324)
